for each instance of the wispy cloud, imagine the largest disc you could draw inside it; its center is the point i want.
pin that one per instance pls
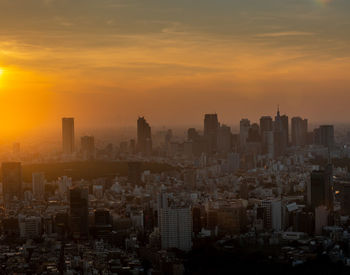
(286, 33)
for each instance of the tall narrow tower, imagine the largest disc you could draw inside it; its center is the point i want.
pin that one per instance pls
(68, 135)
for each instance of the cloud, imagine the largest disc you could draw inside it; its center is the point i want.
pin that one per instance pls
(286, 33)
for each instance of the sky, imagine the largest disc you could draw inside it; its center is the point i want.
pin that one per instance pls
(106, 62)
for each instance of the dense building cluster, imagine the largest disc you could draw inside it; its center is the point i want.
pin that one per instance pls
(270, 186)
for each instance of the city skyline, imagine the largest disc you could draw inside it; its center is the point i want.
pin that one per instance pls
(107, 62)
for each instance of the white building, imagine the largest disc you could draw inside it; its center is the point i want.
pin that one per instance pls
(273, 214)
(175, 225)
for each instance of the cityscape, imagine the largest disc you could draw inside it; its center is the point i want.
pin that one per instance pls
(152, 204)
(174, 137)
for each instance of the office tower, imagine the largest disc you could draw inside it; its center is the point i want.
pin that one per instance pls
(233, 161)
(266, 124)
(345, 198)
(38, 185)
(299, 131)
(272, 214)
(281, 134)
(254, 134)
(64, 183)
(321, 218)
(144, 136)
(196, 220)
(244, 126)
(88, 147)
(134, 172)
(268, 146)
(320, 188)
(29, 227)
(285, 128)
(68, 135)
(231, 218)
(324, 135)
(192, 134)
(11, 181)
(224, 139)
(79, 212)
(176, 228)
(211, 128)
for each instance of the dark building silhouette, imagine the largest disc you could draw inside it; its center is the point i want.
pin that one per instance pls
(134, 172)
(224, 139)
(266, 124)
(320, 191)
(88, 147)
(281, 134)
(68, 135)
(192, 134)
(11, 181)
(345, 198)
(299, 131)
(324, 135)
(196, 220)
(79, 212)
(211, 128)
(144, 136)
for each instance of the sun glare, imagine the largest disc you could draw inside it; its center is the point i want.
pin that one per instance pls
(1, 71)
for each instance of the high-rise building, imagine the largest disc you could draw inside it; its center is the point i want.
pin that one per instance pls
(144, 136)
(38, 185)
(79, 212)
(224, 139)
(320, 188)
(324, 135)
(345, 198)
(11, 181)
(281, 134)
(68, 135)
(175, 224)
(244, 127)
(299, 131)
(272, 214)
(211, 128)
(266, 124)
(88, 147)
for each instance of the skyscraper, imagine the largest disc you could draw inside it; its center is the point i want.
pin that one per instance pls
(88, 147)
(79, 212)
(175, 225)
(11, 181)
(38, 185)
(244, 127)
(266, 124)
(144, 136)
(68, 135)
(224, 139)
(324, 135)
(211, 128)
(320, 189)
(281, 134)
(299, 131)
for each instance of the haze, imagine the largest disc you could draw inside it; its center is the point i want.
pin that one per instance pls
(106, 62)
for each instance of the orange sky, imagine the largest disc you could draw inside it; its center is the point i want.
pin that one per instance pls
(106, 62)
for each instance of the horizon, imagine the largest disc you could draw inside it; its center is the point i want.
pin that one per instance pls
(108, 61)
